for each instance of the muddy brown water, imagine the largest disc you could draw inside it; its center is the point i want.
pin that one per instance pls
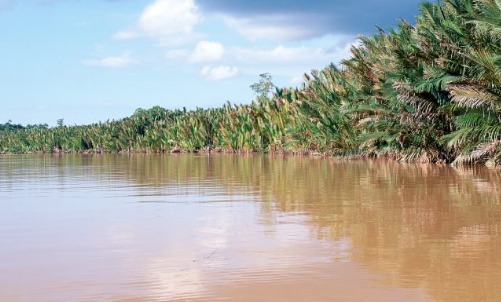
(151, 228)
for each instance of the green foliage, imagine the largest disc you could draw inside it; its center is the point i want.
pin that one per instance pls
(429, 92)
(9, 126)
(265, 85)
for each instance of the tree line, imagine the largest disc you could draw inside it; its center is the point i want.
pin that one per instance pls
(429, 91)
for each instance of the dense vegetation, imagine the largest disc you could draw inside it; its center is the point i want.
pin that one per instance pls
(425, 92)
(9, 126)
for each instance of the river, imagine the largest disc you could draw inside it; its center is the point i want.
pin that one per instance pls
(155, 228)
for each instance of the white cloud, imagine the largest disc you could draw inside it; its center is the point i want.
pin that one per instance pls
(112, 62)
(176, 54)
(279, 61)
(218, 73)
(206, 51)
(285, 61)
(213, 51)
(281, 54)
(170, 21)
(126, 35)
(275, 28)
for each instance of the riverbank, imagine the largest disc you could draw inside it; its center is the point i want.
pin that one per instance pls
(425, 92)
(355, 157)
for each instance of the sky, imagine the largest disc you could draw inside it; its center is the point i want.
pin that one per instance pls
(94, 60)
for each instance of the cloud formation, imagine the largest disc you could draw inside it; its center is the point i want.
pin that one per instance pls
(170, 21)
(218, 73)
(291, 20)
(213, 51)
(280, 60)
(111, 62)
(206, 51)
(279, 28)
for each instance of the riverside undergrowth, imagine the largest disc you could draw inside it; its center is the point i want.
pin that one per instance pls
(427, 91)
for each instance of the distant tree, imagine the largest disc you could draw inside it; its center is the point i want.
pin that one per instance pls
(264, 86)
(60, 122)
(37, 126)
(9, 126)
(139, 112)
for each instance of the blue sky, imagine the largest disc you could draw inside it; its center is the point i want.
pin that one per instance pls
(93, 60)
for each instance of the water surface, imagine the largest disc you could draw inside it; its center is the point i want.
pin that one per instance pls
(151, 228)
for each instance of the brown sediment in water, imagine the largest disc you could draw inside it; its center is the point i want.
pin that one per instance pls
(401, 158)
(148, 228)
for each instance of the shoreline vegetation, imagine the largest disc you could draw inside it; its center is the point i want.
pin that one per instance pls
(423, 92)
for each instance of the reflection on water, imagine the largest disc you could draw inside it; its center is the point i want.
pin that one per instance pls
(148, 228)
